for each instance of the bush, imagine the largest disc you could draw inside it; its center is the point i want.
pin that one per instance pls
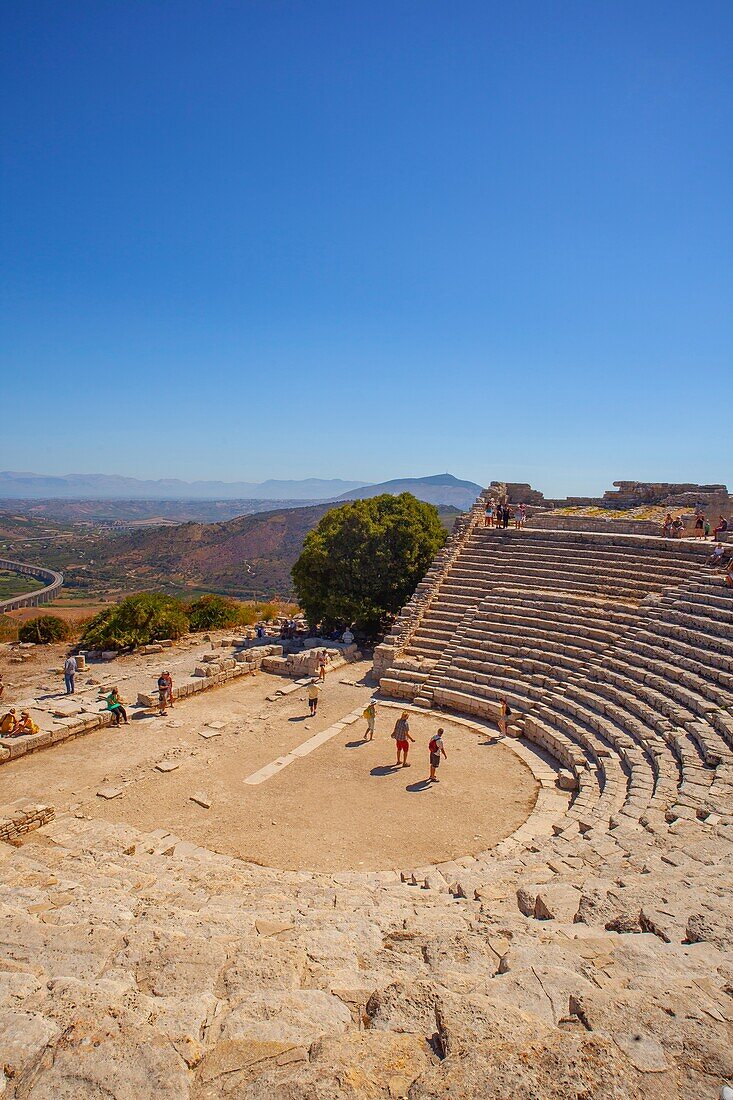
(214, 613)
(363, 561)
(137, 620)
(44, 629)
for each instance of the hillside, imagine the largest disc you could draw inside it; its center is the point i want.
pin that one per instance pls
(247, 556)
(440, 489)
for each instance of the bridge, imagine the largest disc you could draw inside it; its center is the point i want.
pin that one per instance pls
(52, 580)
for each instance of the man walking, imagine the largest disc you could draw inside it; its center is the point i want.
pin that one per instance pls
(436, 750)
(314, 690)
(371, 716)
(69, 674)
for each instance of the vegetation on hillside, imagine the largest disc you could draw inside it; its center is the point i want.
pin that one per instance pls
(136, 620)
(364, 559)
(44, 629)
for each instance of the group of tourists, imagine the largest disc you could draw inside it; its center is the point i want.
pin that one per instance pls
(502, 514)
(674, 526)
(13, 726)
(403, 739)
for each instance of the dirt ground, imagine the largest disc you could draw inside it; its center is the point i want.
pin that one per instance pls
(343, 806)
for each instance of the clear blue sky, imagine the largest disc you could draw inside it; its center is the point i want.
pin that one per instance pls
(268, 238)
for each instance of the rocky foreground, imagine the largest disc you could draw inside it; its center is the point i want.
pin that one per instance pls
(136, 966)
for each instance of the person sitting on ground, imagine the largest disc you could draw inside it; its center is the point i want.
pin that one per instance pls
(716, 558)
(435, 748)
(314, 690)
(8, 723)
(401, 734)
(667, 526)
(678, 527)
(26, 725)
(114, 704)
(721, 527)
(371, 717)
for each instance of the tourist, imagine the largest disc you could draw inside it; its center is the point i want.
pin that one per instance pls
(667, 526)
(678, 527)
(522, 515)
(70, 668)
(115, 706)
(322, 659)
(517, 519)
(489, 514)
(721, 527)
(314, 690)
(716, 557)
(165, 692)
(729, 574)
(699, 525)
(507, 514)
(347, 637)
(26, 725)
(499, 515)
(504, 713)
(707, 528)
(401, 734)
(2, 686)
(8, 723)
(371, 717)
(436, 749)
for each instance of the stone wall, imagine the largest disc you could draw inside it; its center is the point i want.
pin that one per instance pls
(53, 582)
(23, 817)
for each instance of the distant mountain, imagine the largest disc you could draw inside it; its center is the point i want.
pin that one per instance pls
(27, 486)
(438, 489)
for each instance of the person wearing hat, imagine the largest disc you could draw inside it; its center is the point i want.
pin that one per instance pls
(26, 725)
(8, 723)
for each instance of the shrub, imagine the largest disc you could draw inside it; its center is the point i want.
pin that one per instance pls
(44, 629)
(363, 561)
(214, 613)
(137, 620)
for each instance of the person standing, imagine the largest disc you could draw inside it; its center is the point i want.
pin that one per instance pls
(699, 525)
(70, 668)
(314, 691)
(165, 692)
(401, 734)
(371, 717)
(322, 666)
(436, 750)
(504, 713)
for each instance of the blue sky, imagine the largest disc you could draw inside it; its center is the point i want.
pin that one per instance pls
(269, 238)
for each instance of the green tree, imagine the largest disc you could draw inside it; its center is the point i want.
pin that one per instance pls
(137, 620)
(363, 561)
(214, 613)
(46, 628)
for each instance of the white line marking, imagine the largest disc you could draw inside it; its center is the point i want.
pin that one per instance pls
(300, 751)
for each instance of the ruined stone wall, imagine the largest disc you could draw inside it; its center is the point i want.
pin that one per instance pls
(23, 817)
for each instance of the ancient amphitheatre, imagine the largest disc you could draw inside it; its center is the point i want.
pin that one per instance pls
(276, 912)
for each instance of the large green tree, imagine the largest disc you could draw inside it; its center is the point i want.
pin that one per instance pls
(364, 559)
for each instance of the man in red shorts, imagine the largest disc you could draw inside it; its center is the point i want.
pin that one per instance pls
(401, 734)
